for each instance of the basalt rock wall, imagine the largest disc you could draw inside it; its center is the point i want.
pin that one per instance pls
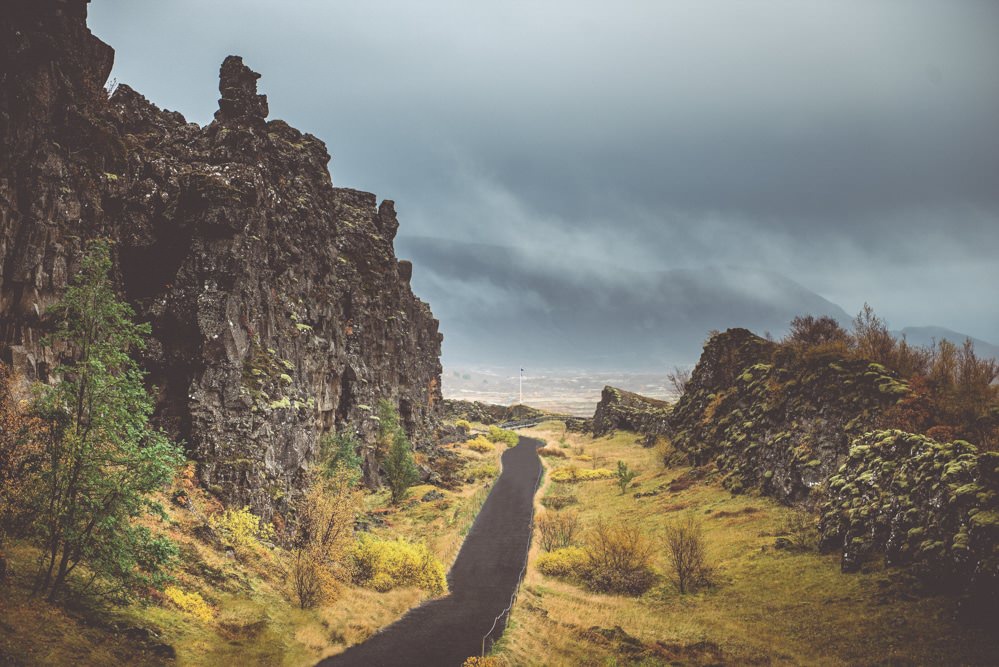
(620, 409)
(279, 310)
(810, 425)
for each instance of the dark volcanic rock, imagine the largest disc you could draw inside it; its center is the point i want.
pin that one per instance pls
(620, 409)
(278, 307)
(487, 413)
(775, 420)
(786, 421)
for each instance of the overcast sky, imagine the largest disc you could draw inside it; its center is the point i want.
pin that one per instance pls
(850, 146)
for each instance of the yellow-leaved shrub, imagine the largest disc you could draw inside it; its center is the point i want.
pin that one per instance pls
(480, 444)
(565, 562)
(574, 474)
(191, 603)
(387, 564)
(241, 529)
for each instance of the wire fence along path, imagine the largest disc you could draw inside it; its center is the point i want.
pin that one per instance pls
(483, 580)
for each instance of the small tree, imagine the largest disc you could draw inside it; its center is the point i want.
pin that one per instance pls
(102, 457)
(624, 476)
(338, 452)
(679, 377)
(400, 469)
(686, 553)
(325, 533)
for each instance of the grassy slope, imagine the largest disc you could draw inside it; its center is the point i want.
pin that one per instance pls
(256, 622)
(769, 606)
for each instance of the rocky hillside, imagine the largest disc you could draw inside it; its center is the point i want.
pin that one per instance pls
(279, 310)
(620, 409)
(805, 425)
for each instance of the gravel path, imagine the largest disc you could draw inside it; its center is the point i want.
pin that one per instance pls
(446, 631)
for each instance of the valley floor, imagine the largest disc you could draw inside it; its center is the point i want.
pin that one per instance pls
(768, 606)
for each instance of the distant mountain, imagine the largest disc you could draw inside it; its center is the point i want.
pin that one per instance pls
(500, 305)
(926, 336)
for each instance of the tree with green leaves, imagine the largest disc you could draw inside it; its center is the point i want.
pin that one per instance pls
(397, 462)
(624, 476)
(102, 458)
(339, 452)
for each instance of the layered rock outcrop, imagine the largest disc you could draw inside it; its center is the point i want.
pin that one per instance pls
(279, 310)
(776, 420)
(790, 423)
(620, 409)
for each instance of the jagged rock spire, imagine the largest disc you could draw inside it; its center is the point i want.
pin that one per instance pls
(238, 86)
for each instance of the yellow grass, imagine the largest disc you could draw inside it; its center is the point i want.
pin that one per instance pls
(768, 606)
(256, 621)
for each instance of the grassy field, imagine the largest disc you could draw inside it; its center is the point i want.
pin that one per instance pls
(255, 620)
(767, 606)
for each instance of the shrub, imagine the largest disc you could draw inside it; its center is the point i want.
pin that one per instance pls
(552, 451)
(557, 530)
(497, 434)
(464, 425)
(476, 661)
(686, 553)
(585, 458)
(559, 499)
(191, 603)
(565, 562)
(800, 527)
(387, 564)
(574, 474)
(482, 471)
(618, 559)
(240, 529)
(480, 444)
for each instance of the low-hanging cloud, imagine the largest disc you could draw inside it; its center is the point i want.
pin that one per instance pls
(851, 147)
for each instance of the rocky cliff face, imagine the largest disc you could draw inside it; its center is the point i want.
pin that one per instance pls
(620, 409)
(279, 310)
(775, 420)
(797, 425)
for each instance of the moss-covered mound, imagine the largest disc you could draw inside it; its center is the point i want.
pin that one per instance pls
(933, 505)
(773, 418)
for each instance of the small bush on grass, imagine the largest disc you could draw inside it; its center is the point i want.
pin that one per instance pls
(464, 425)
(574, 474)
(800, 528)
(480, 444)
(566, 562)
(618, 560)
(191, 603)
(497, 434)
(552, 451)
(387, 564)
(241, 529)
(557, 530)
(560, 498)
(686, 553)
(482, 471)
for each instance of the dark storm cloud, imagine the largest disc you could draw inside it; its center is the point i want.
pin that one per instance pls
(851, 146)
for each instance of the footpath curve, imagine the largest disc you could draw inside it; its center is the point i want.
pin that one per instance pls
(483, 579)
